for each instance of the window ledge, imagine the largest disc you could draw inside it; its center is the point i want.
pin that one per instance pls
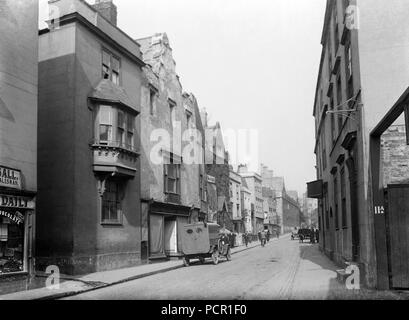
(100, 146)
(112, 224)
(14, 274)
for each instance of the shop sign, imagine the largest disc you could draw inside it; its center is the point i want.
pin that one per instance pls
(16, 217)
(16, 202)
(211, 179)
(10, 178)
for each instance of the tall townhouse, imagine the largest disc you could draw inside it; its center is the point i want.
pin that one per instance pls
(245, 194)
(170, 175)
(18, 140)
(196, 131)
(267, 175)
(218, 171)
(235, 201)
(363, 71)
(254, 183)
(269, 209)
(292, 214)
(90, 80)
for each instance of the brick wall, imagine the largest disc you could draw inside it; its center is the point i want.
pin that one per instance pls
(395, 155)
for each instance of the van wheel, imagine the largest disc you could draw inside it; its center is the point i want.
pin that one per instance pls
(215, 257)
(186, 262)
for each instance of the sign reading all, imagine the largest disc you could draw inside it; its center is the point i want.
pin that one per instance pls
(10, 178)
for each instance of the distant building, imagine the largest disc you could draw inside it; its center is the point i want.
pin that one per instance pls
(288, 209)
(271, 220)
(310, 211)
(217, 166)
(254, 184)
(246, 206)
(293, 195)
(235, 201)
(267, 175)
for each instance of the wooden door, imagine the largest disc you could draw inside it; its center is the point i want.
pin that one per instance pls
(398, 219)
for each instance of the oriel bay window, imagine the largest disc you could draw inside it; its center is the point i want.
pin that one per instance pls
(115, 127)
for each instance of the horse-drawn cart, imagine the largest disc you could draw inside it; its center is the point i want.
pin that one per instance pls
(204, 240)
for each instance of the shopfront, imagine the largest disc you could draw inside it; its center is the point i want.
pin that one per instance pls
(16, 224)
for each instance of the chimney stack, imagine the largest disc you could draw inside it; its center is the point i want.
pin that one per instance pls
(107, 9)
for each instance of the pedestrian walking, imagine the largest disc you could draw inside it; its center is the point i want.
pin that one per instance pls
(312, 235)
(263, 238)
(317, 235)
(268, 235)
(246, 239)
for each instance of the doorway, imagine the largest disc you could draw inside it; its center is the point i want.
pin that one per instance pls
(398, 234)
(171, 242)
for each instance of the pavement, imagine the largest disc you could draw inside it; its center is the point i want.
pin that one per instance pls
(70, 285)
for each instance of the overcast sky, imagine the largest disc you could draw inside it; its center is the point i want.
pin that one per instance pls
(252, 64)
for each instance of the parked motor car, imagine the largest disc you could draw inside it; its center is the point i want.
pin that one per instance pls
(205, 240)
(294, 234)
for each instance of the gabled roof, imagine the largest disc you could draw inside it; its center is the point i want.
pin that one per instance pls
(222, 204)
(278, 184)
(107, 91)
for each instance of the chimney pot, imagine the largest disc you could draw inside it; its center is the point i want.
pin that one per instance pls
(107, 9)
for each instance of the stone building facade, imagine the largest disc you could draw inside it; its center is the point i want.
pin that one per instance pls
(171, 196)
(357, 84)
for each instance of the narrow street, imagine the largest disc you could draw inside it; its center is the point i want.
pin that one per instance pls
(283, 269)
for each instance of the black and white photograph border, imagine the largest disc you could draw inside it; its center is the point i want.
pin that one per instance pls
(225, 150)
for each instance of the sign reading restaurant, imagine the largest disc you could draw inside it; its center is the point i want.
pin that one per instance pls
(10, 178)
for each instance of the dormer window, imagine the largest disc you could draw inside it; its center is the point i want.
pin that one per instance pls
(110, 67)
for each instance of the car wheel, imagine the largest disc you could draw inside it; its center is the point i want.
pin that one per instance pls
(186, 262)
(228, 256)
(215, 257)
